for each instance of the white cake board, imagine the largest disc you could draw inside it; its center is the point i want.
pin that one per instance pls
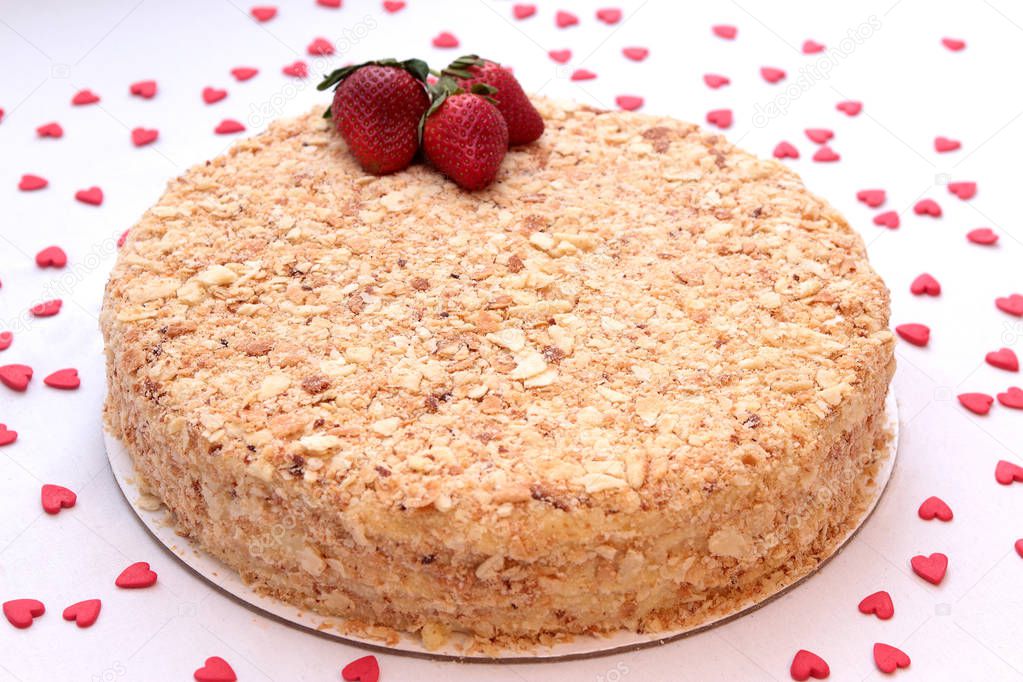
(227, 580)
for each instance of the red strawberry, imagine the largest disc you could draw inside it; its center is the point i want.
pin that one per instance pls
(464, 135)
(377, 109)
(524, 122)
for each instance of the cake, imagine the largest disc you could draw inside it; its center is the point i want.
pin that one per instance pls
(636, 384)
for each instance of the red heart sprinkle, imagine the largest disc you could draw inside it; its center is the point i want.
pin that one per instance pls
(819, 135)
(296, 70)
(392, 6)
(771, 74)
(785, 150)
(560, 56)
(6, 338)
(984, 236)
(583, 75)
(84, 613)
(610, 15)
(953, 44)
(715, 81)
(636, 54)
(16, 377)
(722, 118)
(93, 196)
(83, 97)
(365, 669)
(123, 238)
(20, 612)
(629, 102)
(931, 568)
(50, 130)
(812, 47)
(1004, 358)
(871, 197)
(265, 13)
(216, 669)
(136, 576)
(889, 219)
(51, 257)
(228, 126)
(7, 436)
(1007, 473)
(825, 154)
(963, 190)
(1012, 304)
(445, 40)
(944, 144)
(927, 207)
(140, 137)
(934, 508)
(880, 604)
(57, 497)
(806, 664)
(243, 73)
(725, 31)
(888, 658)
(320, 47)
(1012, 398)
(523, 11)
(916, 334)
(66, 379)
(850, 107)
(1019, 547)
(47, 308)
(145, 89)
(925, 284)
(978, 403)
(565, 19)
(30, 183)
(212, 95)
(332, 4)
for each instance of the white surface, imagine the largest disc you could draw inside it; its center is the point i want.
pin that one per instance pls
(912, 88)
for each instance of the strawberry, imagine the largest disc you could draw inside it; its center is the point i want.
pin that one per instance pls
(524, 122)
(377, 109)
(464, 135)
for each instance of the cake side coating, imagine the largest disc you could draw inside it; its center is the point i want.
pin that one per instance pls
(637, 381)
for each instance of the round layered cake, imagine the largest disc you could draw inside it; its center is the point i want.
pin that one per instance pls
(636, 383)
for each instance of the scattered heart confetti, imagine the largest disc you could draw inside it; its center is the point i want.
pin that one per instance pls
(136, 576)
(722, 118)
(963, 190)
(716, 81)
(264, 13)
(47, 308)
(850, 107)
(916, 334)
(84, 613)
(215, 669)
(1004, 358)
(953, 44)
(984, 236)
(879, 604)
(1007, 473)
(944, 144)
(144, 89)
(609, 15)
(925, 284)
(7, 436)
(931, 568)
(56, 497)
(888, 659)
(978, 403)
(213, 95)
(365, 669)
(66, 379)
(331, 4)
(1019, 547)
(725, 31)
(92, 196)
(889, 219)
(140, 137)
(825, 154)
(21, 612)
(84, 97)
(445, 40)
(15, 377)
(523, 11)
(50, 130)
(771, 74)
(51, 257)
(320, 47)
(228, 126)
(819, 135)
(812, 47)
(565, 19)
(785, 150)
(243, 73)
(297, 69)
(392, 6)
(871, 197)
(927, 207)
(934, 508)
(1012, 398)
(1012, 304)
(560, 56)
(629, 102)
(636, 54)
(806, 664)
(582, 75)
(30, 183)
(6, 338)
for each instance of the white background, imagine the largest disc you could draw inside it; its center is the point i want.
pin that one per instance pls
(913, 89)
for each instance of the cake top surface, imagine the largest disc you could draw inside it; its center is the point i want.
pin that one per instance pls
(634, 308)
